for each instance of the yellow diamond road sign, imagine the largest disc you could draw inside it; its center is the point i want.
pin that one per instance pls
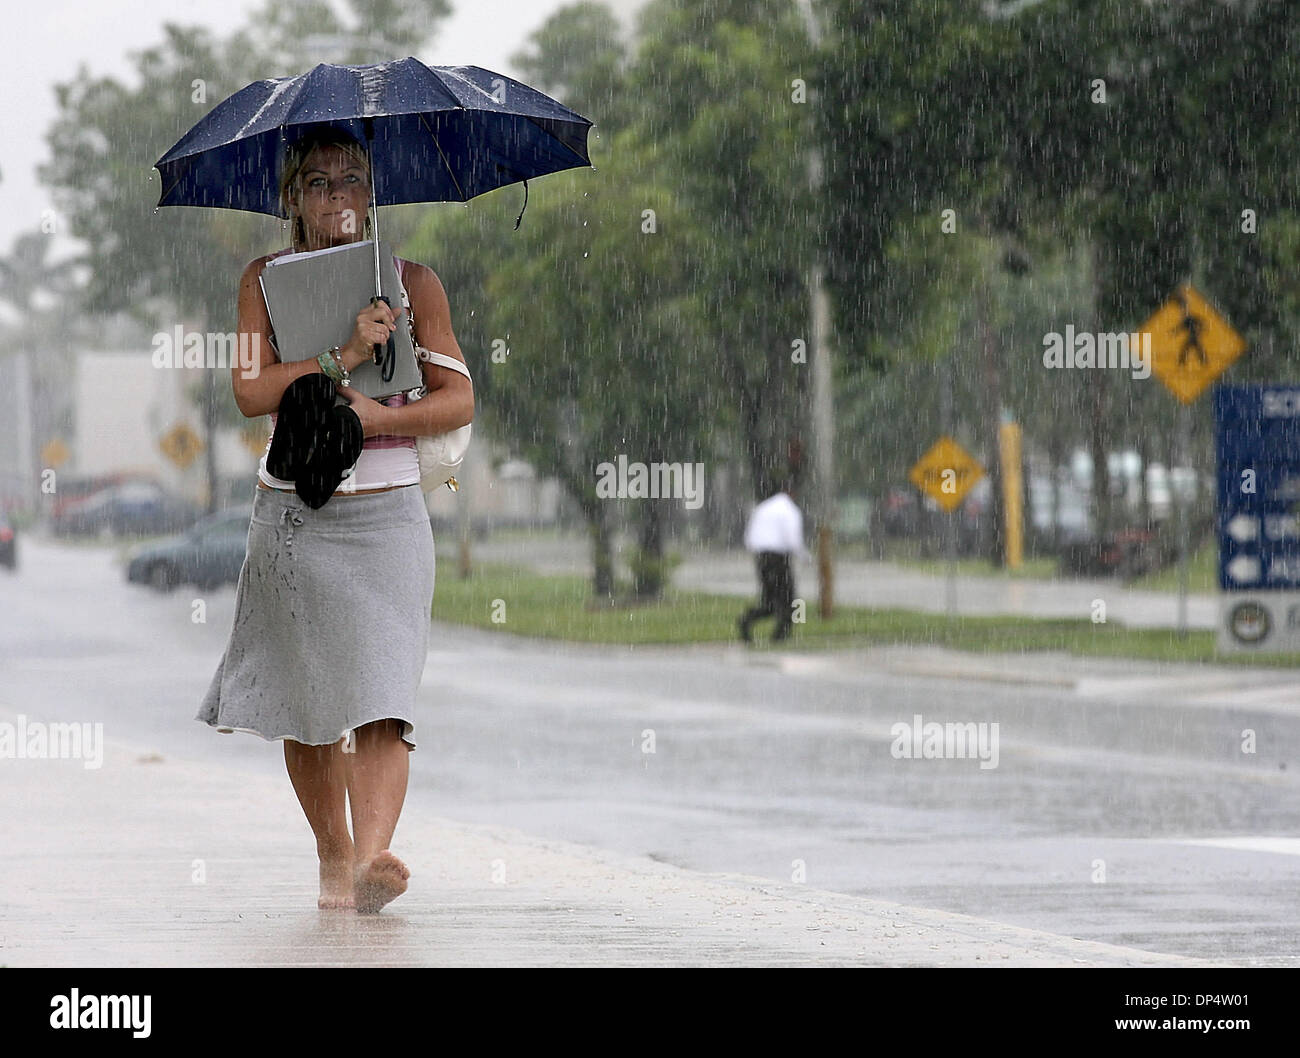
(1191, 344)
(181, 445)
(54, 453)
(946, 473)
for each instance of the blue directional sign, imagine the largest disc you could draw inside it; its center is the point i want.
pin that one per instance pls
(1257, 435)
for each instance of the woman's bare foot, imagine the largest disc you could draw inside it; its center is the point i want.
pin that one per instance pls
(379, 881)
(336, 880)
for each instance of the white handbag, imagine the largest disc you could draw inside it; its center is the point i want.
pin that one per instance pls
(442, 454)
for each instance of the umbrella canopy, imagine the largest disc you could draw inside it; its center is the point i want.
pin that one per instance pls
(437, 134)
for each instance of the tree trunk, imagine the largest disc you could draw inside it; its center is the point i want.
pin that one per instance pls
(1098, 407)
(602, 555)
(1056, 459)
(1144, 495)
(594, 512)
(1097, 443)
(992, 424)
(648, 575)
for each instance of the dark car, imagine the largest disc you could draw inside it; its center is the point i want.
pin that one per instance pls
(75, 489)
(208, 555)
(1125, 553)
(8, 543)
(136, 508)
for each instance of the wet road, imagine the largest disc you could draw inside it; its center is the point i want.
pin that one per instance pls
(1129, 815)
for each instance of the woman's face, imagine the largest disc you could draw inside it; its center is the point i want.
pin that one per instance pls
(333, 195)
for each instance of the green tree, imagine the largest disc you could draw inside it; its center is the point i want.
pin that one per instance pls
(578, 57)
(682, 332)
(1133, 135)
(720, 104)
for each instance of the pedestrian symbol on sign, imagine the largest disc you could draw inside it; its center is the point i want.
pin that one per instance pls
(1193, 326)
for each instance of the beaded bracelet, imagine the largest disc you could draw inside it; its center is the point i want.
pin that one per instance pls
(333, 368)
(328, 367)
(338, 359)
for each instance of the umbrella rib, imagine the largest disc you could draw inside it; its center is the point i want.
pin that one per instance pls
(446, 164)
(451, 172)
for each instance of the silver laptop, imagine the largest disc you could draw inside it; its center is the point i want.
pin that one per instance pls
(313, 299)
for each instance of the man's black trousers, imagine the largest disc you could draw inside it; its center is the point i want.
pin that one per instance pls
(776, 593)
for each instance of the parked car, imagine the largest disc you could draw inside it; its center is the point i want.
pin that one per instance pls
(8, 543)
(136, 508)
(1125, 553)
(207, 555)
(73, 489)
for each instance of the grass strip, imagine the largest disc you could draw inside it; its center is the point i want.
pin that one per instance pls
(519, 601)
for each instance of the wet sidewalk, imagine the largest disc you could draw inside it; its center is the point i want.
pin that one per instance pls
(883, 585)
(164, 862)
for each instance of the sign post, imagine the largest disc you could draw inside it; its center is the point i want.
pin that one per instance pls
(1183, 444)
(1191, 346)
(1012, 490)
(946, 473)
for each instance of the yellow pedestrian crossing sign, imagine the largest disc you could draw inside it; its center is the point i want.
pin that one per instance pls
(181, 445)
(946, 473)
(1191, 344)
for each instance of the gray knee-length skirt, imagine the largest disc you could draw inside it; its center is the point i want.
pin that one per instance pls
(331, 626)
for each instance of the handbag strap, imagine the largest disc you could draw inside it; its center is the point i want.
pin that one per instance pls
(442, 360)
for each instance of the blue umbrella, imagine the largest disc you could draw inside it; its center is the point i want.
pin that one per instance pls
(438, 134)
(435, 134)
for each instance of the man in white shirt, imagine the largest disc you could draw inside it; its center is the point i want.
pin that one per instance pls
(774, 533)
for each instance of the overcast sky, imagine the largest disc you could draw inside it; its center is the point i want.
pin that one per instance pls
(47, 41)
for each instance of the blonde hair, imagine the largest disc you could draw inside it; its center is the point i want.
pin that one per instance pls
(295, 157)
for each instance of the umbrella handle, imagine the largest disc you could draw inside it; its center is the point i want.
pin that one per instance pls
(385, 356)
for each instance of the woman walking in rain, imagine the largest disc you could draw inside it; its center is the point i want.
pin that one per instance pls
(332, 608)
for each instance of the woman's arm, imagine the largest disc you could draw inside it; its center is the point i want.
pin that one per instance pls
(449, 404)
(258, 392)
